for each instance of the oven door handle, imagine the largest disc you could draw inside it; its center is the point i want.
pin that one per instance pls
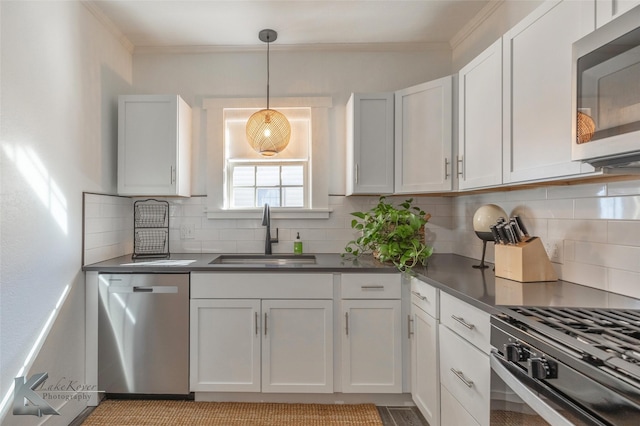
(530, 398)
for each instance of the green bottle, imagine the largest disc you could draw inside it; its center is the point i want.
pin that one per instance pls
(297, 245)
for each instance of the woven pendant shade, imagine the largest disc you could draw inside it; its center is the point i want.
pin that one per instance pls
(268, 132)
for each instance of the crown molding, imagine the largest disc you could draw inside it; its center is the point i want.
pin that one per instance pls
(108, 23)
(333, 47)
(475, 22)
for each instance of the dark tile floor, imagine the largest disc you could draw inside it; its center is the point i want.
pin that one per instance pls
(401, 416)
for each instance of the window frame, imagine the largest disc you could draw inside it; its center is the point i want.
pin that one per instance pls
(214, 162)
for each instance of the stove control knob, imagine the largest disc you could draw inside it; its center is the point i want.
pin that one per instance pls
(514, 352)
(541, 368)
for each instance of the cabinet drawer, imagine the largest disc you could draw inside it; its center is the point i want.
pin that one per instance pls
(370, 286)
(424, 296)
(465, 372)
(468, 321)
(212, 285)
(452, 412)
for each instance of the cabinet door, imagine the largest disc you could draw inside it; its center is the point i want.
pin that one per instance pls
(479, 162)
(225, 345)
(425, 382)
(607, 10)
(537, 91)
(423, 137)
(154, 136)
(371, 346)
(370, 143)
(297, 353)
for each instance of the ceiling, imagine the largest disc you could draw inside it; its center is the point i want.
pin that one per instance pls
(181, 23)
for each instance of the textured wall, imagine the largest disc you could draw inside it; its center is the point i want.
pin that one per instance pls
(61, 72)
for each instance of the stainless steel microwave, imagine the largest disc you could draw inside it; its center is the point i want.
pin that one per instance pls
(606, 94)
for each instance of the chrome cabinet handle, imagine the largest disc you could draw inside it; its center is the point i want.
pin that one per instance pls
(346, 321)
(419, 296)
(256, 322)
(173, 175)
(446, 168)
(460, 161)
(463, 322)
(409, 332)
(372, 287)
(460, 376)
(265, 323)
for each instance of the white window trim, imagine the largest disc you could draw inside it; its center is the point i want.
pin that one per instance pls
(319, 200)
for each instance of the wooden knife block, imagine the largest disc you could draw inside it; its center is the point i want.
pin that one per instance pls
(526, 261)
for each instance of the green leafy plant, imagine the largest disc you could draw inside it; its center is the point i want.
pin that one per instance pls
(392, 234)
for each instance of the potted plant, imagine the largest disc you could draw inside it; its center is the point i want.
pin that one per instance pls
(392, 234)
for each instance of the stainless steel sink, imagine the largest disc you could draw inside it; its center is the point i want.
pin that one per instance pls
(264, 259)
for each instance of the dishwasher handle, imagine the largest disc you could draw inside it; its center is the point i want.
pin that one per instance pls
(166, 289)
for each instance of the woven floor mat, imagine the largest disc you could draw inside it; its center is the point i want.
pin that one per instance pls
(177, 413)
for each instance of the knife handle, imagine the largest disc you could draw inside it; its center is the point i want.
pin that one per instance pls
(510, 234)
(502, 233)
(516, 230)
(521, 225)
(496, 236)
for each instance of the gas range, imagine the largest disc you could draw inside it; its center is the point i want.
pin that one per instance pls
(587, 360)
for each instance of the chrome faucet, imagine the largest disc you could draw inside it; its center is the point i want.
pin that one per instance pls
(266, 221)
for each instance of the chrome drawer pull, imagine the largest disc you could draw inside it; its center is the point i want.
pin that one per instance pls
(419, 296)
(460, 376)
(463, 322)
(346, 323)
(256, 322)
(409, 321)
(372, 287)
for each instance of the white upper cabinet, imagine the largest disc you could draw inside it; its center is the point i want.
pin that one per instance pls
(423, 137)
(537, 91)
(370, 144)
(607, 10)
(479, 161)
(154, 145)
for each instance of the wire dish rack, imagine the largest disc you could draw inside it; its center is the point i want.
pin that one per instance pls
(150, 228)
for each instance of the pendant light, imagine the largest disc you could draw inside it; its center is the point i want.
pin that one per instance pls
(268, 131)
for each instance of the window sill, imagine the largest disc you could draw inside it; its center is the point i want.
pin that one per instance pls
(276, 213)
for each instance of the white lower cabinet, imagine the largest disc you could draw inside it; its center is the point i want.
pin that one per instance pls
(251, 345)
(371, 346)
(225, 345)
(371, 333)
(425, 383)
(297, 350)
(244, 344)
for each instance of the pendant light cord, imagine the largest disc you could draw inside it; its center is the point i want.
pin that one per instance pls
(268, 43)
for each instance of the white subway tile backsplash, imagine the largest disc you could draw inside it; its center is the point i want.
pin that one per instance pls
(623, 188)
(577, 191)
(581, 230)
(624, 282)
(551, 209)
(624, 232)
(595, 208)
(583, 273)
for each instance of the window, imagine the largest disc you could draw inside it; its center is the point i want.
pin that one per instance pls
(235, 174)
(253, 180)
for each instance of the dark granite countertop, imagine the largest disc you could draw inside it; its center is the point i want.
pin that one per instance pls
(448, 272)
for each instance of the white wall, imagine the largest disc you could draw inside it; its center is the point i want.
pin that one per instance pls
(61, 72)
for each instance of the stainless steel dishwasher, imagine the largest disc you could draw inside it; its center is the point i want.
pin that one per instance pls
(143, 334)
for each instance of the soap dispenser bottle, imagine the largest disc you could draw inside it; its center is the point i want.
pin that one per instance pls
(297, 245)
